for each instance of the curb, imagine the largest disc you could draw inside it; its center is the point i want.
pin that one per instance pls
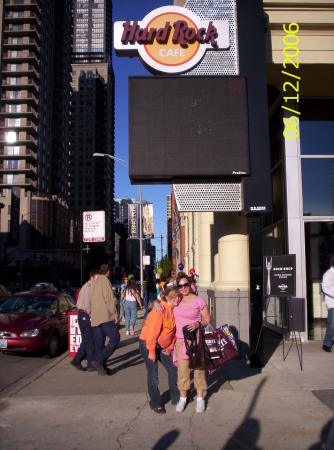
(19, 385)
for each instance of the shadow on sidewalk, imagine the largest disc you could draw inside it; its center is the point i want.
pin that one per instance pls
(248, 432)
(324, 437)
(166, 440)
(132, 358)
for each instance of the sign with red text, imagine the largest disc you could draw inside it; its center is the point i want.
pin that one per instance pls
(74, 334)
(94, 226)
(171, 39)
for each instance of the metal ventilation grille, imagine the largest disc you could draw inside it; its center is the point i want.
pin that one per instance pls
(208, 197)
(219, 196)
(224, 62)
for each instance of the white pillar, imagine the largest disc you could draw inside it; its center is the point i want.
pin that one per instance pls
(204, 249)
(233, 254)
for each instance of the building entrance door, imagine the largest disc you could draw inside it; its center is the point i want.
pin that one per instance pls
(319, 249)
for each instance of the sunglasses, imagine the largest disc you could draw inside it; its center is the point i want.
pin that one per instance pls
(180, 286)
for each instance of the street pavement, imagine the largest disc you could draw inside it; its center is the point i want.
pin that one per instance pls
(15, 367)
(276, 407)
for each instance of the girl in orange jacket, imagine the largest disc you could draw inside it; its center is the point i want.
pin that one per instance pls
(156, 342)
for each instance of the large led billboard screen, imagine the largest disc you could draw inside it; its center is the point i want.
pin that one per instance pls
(186, 128)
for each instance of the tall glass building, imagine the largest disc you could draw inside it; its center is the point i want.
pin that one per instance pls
(92, 179)
(34, 134)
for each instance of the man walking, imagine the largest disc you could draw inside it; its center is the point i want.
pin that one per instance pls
(104, 318)
(86, 348)
(328, 290)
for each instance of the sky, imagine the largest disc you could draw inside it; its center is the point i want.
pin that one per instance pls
(124, 67)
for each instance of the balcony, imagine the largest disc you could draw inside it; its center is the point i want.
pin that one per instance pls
(23, 42)
(19, 97)
(23, 16)
(25, 140)
(28, 184)
(21, 56)
(19, 83)
(24, 154)
(19, 30)
(19, 70)
(19, 5)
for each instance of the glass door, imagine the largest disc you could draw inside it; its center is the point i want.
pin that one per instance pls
(319, 249)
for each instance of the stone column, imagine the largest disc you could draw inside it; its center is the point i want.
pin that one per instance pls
(205, 220)
(233, 255)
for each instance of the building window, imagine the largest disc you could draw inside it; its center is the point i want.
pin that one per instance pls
(318, 186)
(12, 164)
(317, 138)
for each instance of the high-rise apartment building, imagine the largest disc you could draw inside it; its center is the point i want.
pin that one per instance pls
(169, 225)
(92, 179)
(34, 127)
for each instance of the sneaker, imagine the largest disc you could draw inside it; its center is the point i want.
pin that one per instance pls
(101, 370)
(326, 349)
(200, 405)
(131, 331)
(127, 333)
(181, 404)
(77, 365)
(159, 410)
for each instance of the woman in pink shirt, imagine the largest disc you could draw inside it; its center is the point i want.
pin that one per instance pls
(191, 311)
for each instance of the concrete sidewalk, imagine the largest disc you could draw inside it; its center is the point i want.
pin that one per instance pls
(272, 408)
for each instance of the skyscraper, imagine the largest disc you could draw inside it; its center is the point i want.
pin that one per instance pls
(34, 126)
(92, 179)
(169, 225)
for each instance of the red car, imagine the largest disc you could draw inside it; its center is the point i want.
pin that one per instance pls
(35, 321)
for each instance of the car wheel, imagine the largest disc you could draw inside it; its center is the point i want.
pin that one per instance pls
(53, 346)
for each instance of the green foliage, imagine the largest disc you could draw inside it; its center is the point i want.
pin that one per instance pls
(167, 265)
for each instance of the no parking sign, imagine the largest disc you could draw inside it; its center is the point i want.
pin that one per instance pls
(74, 334)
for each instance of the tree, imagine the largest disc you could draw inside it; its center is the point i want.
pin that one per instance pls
(166, 265)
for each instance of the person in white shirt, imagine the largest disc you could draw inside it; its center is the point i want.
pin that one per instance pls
(328, 290)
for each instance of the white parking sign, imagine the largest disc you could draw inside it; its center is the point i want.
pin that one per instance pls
(94, 226)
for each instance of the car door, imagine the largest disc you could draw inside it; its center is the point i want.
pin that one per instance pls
(63, 316)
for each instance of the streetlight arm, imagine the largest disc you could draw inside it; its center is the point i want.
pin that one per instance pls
(106, 155)
(126, 163)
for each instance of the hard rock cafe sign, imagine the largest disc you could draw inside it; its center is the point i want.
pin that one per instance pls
(171, 39)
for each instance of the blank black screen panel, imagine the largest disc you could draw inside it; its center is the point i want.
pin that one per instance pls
(183, 128)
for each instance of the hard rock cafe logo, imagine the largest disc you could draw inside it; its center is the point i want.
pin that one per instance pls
(171, 39)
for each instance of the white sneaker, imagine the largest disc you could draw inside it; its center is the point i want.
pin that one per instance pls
(127, 333)
(200, 405)
(181, 404)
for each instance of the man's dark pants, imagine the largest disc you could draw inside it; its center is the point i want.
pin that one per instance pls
(100, 333)
(86, 348)
(152, 376)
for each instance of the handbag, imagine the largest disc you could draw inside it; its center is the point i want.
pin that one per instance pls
(196, 348)
(222, 346)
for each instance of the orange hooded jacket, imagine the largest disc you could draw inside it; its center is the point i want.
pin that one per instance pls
(159, 328)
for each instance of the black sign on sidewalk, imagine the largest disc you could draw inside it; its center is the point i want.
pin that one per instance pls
(279, 276)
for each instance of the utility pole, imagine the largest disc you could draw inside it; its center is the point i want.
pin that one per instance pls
(161, 246)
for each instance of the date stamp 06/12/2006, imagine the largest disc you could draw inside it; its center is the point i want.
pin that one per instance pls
(291, 80)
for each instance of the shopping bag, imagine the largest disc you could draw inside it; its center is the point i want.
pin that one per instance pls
(222, 346)
(196, 348)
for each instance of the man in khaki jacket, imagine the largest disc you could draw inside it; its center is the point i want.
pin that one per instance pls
(104, 319)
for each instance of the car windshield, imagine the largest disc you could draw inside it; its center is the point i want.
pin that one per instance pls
(44, 287)
(41, 306)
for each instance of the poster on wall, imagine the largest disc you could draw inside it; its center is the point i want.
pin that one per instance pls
(133, 221)
(279, 276)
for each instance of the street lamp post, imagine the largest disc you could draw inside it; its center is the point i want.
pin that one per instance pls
(125, 163)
